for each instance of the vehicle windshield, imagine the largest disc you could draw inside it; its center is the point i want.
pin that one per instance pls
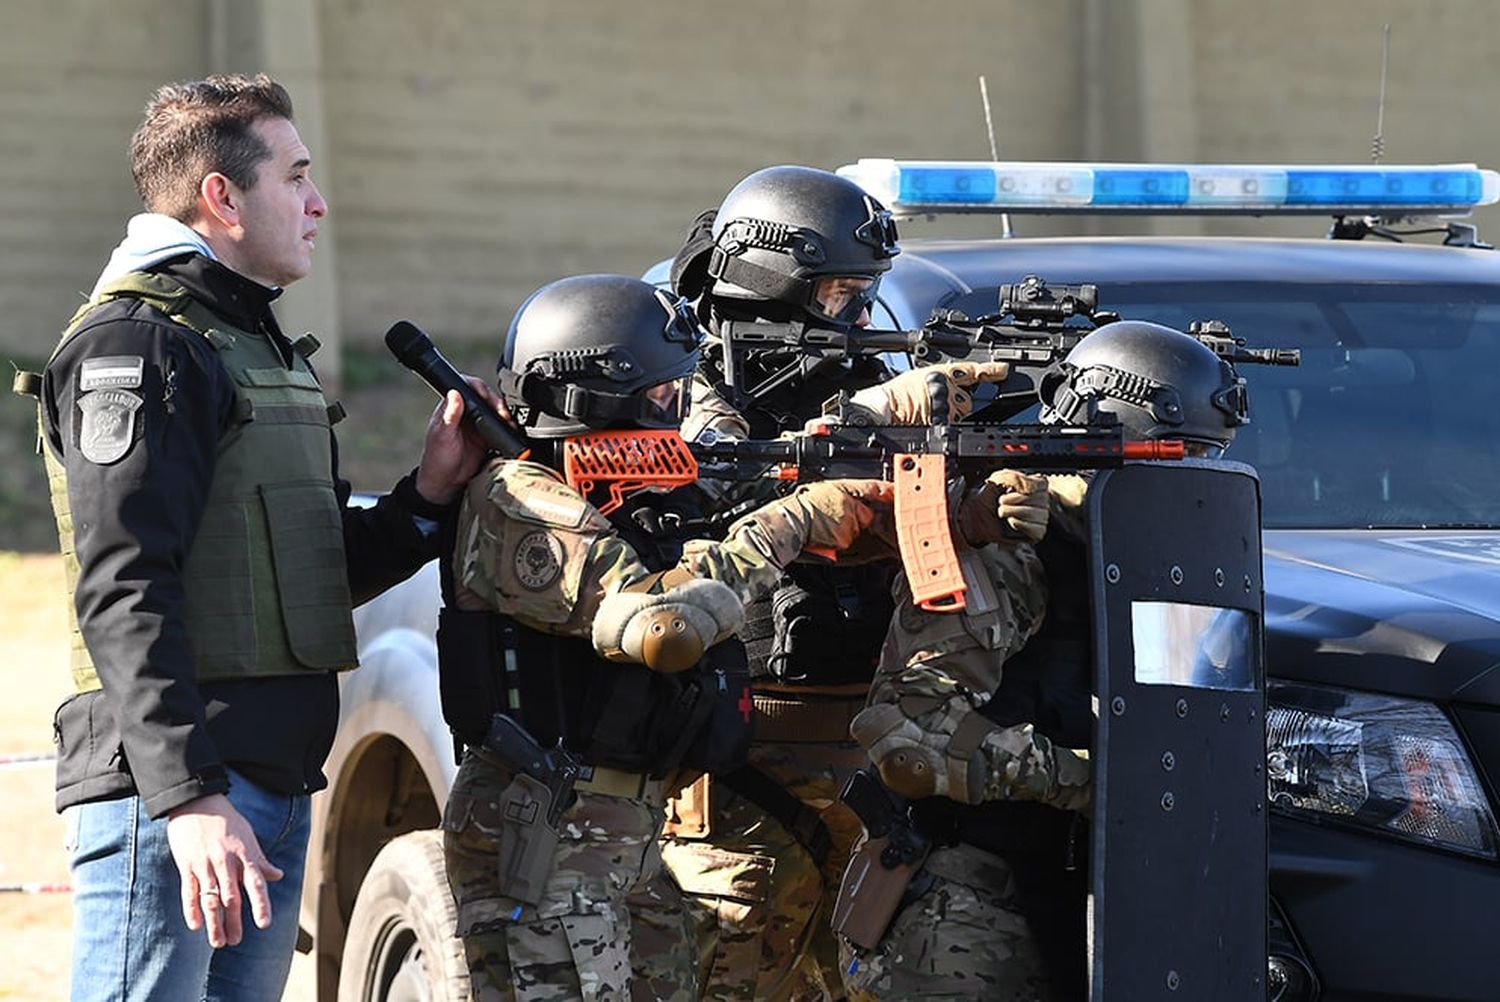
(1391, 420)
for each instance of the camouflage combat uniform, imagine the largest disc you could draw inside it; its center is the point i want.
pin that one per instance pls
(760, 886)
(532, 549)
(966, 927)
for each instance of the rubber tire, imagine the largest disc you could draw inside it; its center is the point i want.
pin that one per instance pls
(401, 944)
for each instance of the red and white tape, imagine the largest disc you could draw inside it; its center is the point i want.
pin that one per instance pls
(26, 758)
(35, 888)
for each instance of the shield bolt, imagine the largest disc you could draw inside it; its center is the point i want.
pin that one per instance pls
(1219, 576)
(1173, 981)
(1168, 801)
(1117, 706)
(1182, 708)
(1223, 712)
(1176, 575)
(1247, 582)
(1112, 573)
(1168, 761)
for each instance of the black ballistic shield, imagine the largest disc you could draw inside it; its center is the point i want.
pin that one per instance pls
(1179, 823)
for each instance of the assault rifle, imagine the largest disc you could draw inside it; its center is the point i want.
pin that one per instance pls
(920, 462)
(1036, 325)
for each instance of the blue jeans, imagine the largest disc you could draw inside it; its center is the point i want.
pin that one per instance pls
(130, 941)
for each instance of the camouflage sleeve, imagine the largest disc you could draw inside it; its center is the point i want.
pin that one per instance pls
(531, 547)
(922, 727)
(737, 562)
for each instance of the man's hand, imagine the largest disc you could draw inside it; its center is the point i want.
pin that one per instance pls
(1008, 506)
(905, 400)
(452, 450)
(216, 854)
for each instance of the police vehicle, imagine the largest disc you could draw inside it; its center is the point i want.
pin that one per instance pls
(1379, 466)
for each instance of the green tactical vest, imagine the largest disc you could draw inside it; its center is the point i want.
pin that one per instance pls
(266, 584)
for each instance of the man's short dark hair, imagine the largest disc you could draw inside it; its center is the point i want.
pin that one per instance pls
(198, 127)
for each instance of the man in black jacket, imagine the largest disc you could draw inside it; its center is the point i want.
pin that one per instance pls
(213, 558)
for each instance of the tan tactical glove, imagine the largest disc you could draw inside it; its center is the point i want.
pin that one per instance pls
(667, 631)
(1009, 506)
(904, 400)
(828, 515)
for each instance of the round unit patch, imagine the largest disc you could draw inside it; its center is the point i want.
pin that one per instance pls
(108, 426)
(538, 560)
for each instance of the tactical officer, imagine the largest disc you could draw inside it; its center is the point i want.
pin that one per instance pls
(587, 653)
(760, 852)
(996, 763)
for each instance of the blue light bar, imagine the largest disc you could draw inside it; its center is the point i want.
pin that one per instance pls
(916, 187)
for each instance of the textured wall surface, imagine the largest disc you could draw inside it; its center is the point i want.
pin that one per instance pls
(475, 149)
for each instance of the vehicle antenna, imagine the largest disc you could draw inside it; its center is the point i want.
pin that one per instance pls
(1377, 145)
(989, 127)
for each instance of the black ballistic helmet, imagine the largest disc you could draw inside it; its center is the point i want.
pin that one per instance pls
(782, 228)
(598, 351)
(1160, 383)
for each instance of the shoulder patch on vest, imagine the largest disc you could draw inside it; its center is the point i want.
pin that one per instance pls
(111, 371)
(107, 430)
(538, 560)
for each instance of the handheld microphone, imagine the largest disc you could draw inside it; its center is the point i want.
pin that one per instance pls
(416, 351)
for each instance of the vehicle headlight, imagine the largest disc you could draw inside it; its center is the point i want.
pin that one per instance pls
(1391, 765)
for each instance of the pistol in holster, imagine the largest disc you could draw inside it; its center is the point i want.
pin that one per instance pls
(531, 806)
(879, 874)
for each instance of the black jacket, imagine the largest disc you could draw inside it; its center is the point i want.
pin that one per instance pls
(153, 729)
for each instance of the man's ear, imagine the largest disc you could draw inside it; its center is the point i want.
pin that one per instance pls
(219, 200)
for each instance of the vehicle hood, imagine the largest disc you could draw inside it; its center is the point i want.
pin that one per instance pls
(1410, 612)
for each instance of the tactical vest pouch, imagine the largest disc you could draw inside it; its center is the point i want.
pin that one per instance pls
(827, 624)
(470, 671)
(722, 741)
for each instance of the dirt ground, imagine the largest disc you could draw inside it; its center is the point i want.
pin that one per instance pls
(34, 952)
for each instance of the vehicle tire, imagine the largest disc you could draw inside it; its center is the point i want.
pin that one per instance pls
(401, 946)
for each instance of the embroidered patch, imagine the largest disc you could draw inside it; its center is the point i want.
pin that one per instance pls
(538, 560)
(122, 371)
(108, 427)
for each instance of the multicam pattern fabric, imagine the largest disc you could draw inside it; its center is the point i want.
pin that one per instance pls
(964, 938)
(937, 669)
(758, 898)
(532, 548)
(577, 942)
(964, 934)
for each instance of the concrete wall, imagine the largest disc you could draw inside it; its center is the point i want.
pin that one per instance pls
(473, 149)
